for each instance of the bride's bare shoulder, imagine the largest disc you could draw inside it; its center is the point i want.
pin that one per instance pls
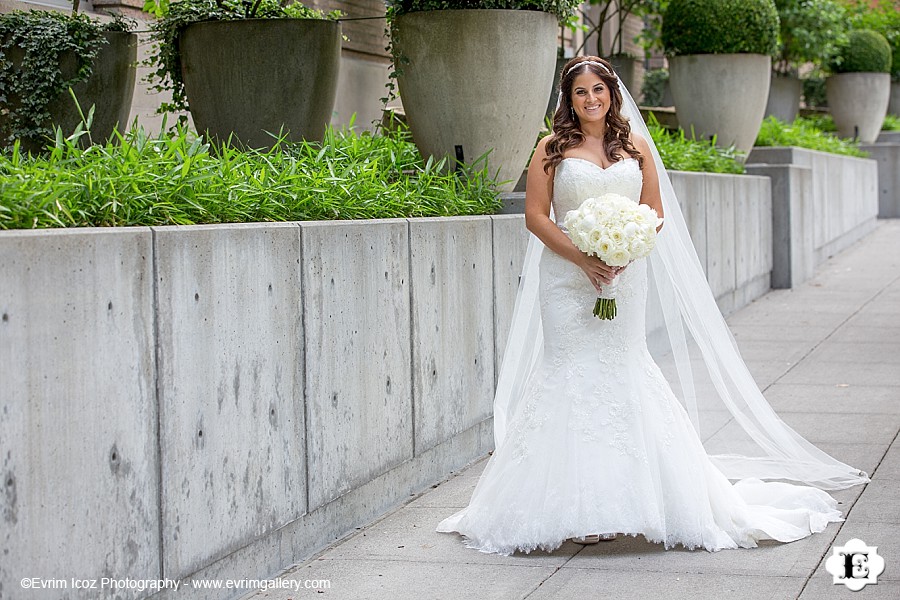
(639, 141)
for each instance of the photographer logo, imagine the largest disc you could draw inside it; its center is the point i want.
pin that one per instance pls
(855, 565)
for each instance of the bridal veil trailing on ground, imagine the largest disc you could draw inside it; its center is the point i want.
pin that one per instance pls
(688, 336)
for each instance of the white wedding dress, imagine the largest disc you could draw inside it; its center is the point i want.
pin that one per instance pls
(600, 443)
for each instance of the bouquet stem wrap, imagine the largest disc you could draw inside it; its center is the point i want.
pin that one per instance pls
(605, 306)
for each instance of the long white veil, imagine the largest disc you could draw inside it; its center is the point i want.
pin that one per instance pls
(702, 361)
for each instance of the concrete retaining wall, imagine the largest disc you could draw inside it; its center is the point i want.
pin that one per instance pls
(818, 214)
(729, 219)
(79, 462)
(220, 401)
(888, 156)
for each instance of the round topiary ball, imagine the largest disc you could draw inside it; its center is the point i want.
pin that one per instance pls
(866, 51)
(720, 27)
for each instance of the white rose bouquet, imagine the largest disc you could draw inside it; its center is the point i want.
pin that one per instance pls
(615, 229)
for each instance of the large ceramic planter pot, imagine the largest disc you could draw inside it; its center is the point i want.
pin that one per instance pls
(253, 78)
(858, 102)
(627, 69)
(467, 88)
(109, 89)
(721, 94)
(894, 104)
(554, 89)
(784, 97)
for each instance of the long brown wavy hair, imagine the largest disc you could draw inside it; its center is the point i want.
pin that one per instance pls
(566, 129)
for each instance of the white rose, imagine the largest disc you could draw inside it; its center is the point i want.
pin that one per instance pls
(616, 235)
(603, 247)
(618, 258)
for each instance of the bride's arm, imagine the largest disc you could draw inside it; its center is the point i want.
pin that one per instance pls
(650, 194)
(538, 191)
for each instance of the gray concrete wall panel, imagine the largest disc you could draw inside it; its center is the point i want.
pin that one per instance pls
(792, 255)
(230, 387)
(690, 188)
(452, 326)
(510, 241)
(888, 157)
(720, 238)
(842, 205)
(78, 466)
(356, 315)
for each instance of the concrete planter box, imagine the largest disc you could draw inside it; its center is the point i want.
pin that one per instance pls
(721, 94)
(887, 153)
(253, 78)
(821, 202)
(236, 397)
(110, 89)
(466, 88)
(858, 102)
(894, 102)
(784, 97)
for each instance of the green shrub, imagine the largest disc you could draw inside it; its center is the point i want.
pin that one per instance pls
(563, 9)
(822, 122)
(814, 92)
(720, 27)
(680, 153)
(178, 180)
(884, 17)
(891, 123)
(866, 51)
(804, 133)
(812, 31)
(654, 87)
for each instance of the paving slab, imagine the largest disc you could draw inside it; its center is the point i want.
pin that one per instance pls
(587, 583)
(878, 504)
(832, 398)
(392, 580)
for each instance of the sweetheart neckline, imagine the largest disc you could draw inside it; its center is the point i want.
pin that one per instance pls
(590, 162)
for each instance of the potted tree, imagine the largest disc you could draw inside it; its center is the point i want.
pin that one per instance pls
(882, 16)
(720, 57)
(468, 89)
(248, 71)
(45, 53)
(860, 85)
(812, 31)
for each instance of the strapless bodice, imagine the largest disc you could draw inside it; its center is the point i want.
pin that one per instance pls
(578, 179)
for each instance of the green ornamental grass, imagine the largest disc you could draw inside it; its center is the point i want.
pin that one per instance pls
(179, 179)
(891, 123)
(681, 153)
(805, 133)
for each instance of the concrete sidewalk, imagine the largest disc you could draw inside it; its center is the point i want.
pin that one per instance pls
(828, 357)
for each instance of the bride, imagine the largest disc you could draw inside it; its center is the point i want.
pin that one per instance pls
(591, 439)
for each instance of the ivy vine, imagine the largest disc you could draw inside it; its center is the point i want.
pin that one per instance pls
(33, 49)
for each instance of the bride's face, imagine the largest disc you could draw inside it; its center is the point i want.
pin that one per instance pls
(590, 97)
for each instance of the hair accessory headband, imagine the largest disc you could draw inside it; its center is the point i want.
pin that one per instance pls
(589, 62)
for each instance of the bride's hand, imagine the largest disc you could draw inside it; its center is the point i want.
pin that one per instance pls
(598, 272)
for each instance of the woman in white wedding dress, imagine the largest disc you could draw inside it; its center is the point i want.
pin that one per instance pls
(591, 440)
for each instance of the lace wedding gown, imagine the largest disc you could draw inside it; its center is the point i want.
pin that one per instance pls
(600, 443)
